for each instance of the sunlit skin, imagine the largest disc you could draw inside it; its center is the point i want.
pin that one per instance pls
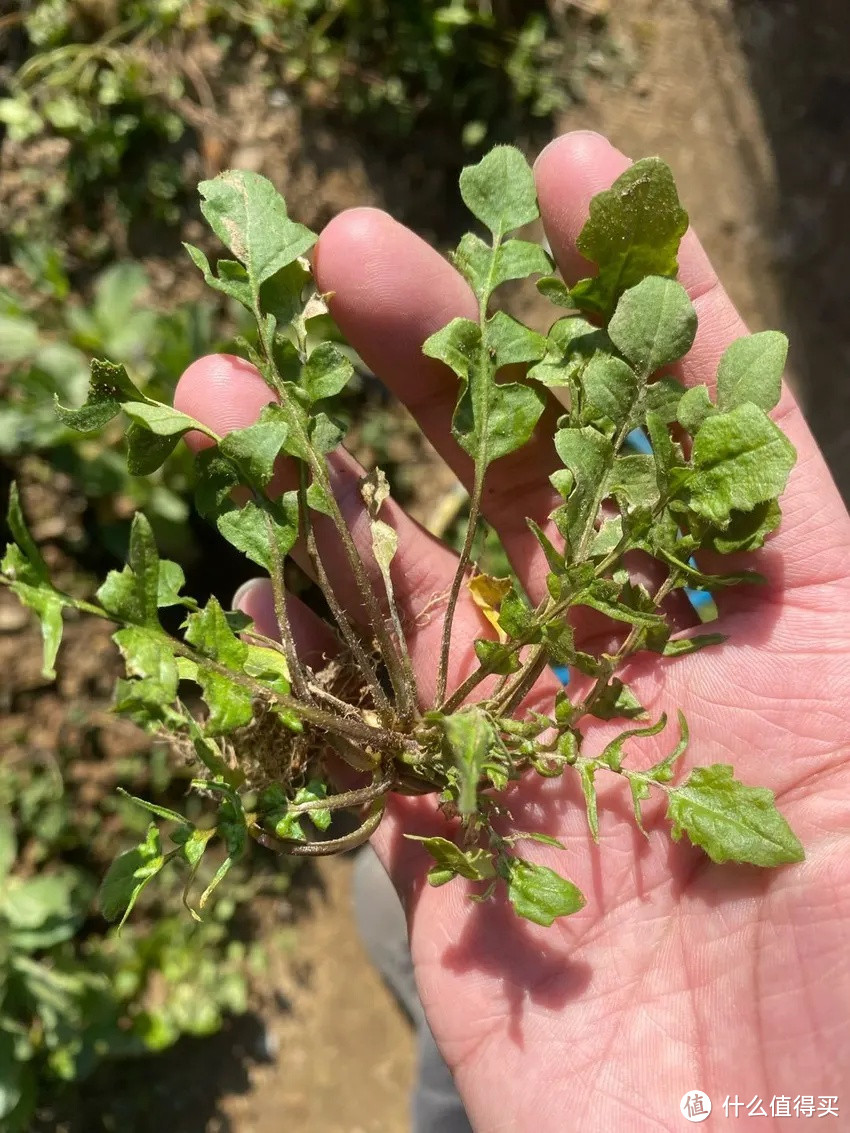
(678, 974)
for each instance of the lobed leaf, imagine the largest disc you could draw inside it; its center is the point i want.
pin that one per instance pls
(730, 821)
(751, 370)
(633, 231)
(499, 191)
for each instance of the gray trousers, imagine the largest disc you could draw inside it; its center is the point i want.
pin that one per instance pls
(436, 1105)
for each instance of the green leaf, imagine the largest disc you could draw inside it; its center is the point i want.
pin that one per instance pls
(232, 278)
(327, 372)
(8, 844)
(587, 770)
(573, 341)
(695, 407)
(491, 419)
(633, 481)
(110, 387)
(741, 459)
(510, 343)
(746, 531)
(601, 595)
(251, 528)
(474, 865)
(171, 582)
(230, 704)
(588, 456)
(751, 370)
(159, 419)
(730, 821)
(314, 792)
(470, 735)
(249, 216)
(539, 894)
(128, 875)
(633, 231)
(681, 646)
(255, 448)
(611, 388)
(654, 324)
(663, 397)
(617, 701)
(131, 595)
(153, 808)
(499, 191)
(149, 655)
(44, 910)
(146, 451)
(613, 755)
(666, 454)
(496, 658)
(554, 289)
(485, 270)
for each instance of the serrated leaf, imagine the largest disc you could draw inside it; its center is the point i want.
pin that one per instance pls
(327, 372)
(588, 456)
(654, 324)
(325, 433)
(230, 704)
(572, 342)
(249, 216)
(128, 875)
(499, 191)
(751, 370)
(110, 386)
(633, 481)
(730, 821)
(255, 448)
(131, 595)
(491, 419)
(474, 865)
(695, 407)
(601, 595)
(269, 666)
(741, 459)
(171, 582)
(469, 735)
(251, 528)
(148, 654)
(633, 231)
(485, 270)
(539, 894)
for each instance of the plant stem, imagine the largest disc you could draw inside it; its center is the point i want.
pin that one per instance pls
(299, 680)
(457, 581)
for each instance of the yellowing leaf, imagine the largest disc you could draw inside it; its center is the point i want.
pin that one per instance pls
(487, 594)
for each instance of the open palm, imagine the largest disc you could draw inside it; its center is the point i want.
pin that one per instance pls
(678, 974)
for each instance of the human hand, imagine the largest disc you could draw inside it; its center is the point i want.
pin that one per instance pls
(678, 974)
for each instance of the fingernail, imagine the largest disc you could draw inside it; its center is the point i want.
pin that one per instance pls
(243, 592)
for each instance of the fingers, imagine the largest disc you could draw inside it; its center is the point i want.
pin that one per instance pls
(569, 172)
(390, 291)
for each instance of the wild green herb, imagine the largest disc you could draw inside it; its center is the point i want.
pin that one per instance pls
(274, 728)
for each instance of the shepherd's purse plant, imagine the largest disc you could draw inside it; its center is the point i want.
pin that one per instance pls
(275, 732)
